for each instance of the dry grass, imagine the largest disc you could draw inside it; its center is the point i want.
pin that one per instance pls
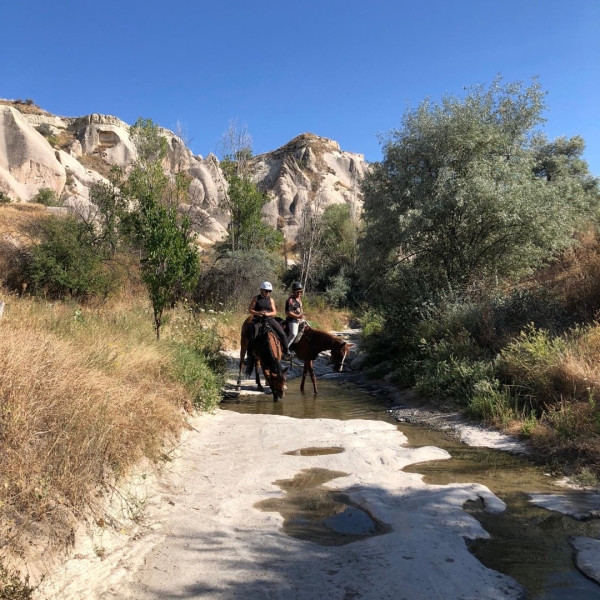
(29, 108)
(84, 394)
(574, 279)
(16, 217)
(96, 163)
(560, 376)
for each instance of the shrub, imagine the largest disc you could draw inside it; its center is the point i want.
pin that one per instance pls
(47, 197)
(531, 363)
(12, 588)
(492, 405)
(66, 263)
(235, 277)
(338, 289)
(197, 359)
(457, 379)
(4, 198)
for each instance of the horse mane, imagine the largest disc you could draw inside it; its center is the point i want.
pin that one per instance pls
(263, 341)
(321, 335)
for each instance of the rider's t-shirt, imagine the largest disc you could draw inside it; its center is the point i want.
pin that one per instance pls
(262, 304)
(294, 306)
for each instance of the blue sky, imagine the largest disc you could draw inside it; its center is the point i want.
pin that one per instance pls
(341, 69)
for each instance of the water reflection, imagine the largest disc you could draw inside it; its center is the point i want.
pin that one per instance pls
(315, 514)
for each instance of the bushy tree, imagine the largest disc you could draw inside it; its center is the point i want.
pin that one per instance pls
(234, 278)
(66, 262)
(242, 200)
(169, 262)
(328, 247)
(467, 189)
(247, 230)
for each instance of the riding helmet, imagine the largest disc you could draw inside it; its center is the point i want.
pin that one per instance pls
(297, 286)
(265, 285)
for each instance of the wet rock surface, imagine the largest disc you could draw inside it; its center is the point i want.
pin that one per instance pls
(588, 556)
(579, 505)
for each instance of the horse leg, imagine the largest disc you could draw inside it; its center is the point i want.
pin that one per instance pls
(256, 368)
(313, 376)
(303, 377)
(242, 356)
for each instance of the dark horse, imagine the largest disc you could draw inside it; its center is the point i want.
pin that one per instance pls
(266, 352)
(312, 343)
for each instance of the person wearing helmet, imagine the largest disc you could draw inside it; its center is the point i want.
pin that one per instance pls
(293, 311)
(264, 306)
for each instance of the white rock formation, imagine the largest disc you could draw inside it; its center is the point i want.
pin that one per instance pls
(309, 170)
(51, 120)
(105, 136)
(27, 161)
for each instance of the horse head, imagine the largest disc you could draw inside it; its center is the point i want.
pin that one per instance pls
(338, 355)
(277, 379)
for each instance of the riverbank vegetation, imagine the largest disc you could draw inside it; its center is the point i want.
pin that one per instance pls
(485, 237)
(474, 267)
(88, 388)
(113, 330)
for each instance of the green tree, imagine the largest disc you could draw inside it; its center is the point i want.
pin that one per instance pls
(66, 262)
(467, 190)
(247, 230)
(110, 211)
(169, 262)
(242, 200)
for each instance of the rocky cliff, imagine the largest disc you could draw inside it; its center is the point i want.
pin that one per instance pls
(68, 155)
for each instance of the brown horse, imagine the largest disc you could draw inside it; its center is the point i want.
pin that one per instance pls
(266, 352)
(311, 344)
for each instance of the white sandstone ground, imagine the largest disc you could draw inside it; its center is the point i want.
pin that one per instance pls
(203, 538)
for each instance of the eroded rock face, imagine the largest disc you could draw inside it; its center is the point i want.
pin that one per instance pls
(105, 136)
(27, 161)
(310, 171)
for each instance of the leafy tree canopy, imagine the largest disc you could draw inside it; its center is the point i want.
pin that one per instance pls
(469, 189)
(169, 262)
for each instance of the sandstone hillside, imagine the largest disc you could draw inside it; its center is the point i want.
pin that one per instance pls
(68, 154)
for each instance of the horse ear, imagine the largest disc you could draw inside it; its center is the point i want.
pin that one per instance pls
(285, 370)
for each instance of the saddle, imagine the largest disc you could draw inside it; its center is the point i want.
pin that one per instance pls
(285, 325)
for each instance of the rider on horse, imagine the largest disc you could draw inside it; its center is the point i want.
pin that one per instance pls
(293, 311)
(263, 305)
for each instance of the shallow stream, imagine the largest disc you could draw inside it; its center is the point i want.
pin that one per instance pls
(528, 543)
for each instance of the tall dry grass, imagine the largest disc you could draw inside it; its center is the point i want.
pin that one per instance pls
(84, 394)
(560, 374)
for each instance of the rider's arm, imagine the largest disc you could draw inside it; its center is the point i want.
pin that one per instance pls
(251, 310)
(288, 312)
(292, 314)
(273, 310)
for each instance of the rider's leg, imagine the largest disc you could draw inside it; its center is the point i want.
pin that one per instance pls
(280, 334)
(293, 327)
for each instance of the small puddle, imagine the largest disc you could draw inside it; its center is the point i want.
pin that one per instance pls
(527, 542)
(316, 514)
(315, 451)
